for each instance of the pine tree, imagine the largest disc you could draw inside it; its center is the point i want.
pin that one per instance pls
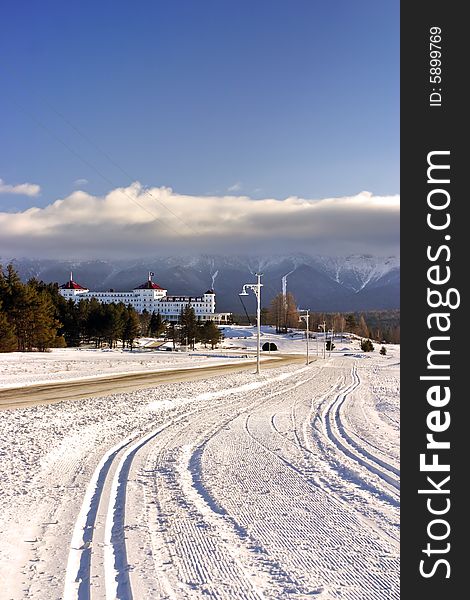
(94, 322)
(351, 323)
(131, 329)
(189, 326)
(31, 311)
(156, 326)
(383, 351)
(8, 341)
(172, 334)
(44, 325)
(144, 318)
(367, 346)
(69, 317)
(211, 334)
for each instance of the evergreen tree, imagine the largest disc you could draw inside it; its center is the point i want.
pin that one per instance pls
(82, 312)
(156, 326)
(210, 334)
(8, 341)
(69, 317)
(144, 318)
(189, 326)
(383, 351)
(94, 324)
(44, 325)
(172, 334)
(131, 328)
(351, 323)
(367, 345)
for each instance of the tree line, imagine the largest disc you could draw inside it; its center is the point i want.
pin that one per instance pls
(35, 316)
(282, 313)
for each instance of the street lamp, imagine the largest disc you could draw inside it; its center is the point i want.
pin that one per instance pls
(304, 315)
(256, 289)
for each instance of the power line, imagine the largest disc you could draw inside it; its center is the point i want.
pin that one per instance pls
(106, 155)
(91, 166)
(112, 161)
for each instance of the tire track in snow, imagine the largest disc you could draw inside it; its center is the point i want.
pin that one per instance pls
(98, 547)
(104, 497)
(300, 525)
(338, 435)
(185, 482)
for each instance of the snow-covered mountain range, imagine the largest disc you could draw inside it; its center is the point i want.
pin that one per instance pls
(357, 282)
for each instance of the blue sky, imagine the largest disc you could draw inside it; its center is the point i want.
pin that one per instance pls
(264, 98)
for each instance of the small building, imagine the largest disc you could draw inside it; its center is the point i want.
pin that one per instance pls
(269, 347)
(151, 297)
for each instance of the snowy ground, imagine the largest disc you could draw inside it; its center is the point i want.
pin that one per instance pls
(70, 364)
(27, 368)
(286, 485)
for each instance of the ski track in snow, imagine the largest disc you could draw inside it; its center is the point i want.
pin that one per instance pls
(339, 435)
(280, 489)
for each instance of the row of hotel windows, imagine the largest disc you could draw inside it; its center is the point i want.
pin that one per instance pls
(193, 301)
(163, 309)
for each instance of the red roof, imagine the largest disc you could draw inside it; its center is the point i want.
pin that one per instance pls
(71, 285)
(149, 285)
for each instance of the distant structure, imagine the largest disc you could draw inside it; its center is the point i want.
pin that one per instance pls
(269, 347)
(150, 297)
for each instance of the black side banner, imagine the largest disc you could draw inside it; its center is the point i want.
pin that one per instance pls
(434, 339)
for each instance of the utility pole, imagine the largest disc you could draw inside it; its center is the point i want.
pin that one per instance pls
(305, 317)
(331, 331)
(322, 326)
(256, 289)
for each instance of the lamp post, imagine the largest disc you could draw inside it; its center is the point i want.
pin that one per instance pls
(304, 315)
(256, 289)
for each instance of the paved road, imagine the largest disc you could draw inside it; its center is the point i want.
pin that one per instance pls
(47, 393)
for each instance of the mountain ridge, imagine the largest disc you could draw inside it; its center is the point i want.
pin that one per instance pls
(323, 283)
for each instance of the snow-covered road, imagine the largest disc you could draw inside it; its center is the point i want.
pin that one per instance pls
(232, 487)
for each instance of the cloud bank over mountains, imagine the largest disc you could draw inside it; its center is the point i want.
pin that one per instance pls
(138, 221)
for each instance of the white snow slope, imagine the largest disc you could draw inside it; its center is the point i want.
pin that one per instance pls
(282, 486)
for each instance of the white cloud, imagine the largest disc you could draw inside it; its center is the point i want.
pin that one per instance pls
(134, 221)
(80, 182)
(236, 187)
(24, 189)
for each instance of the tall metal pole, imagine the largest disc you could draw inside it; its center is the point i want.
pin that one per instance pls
(256, 289)
(332, 331)
(307, 336)
(306, 316)
(322, 326)
(258, 322)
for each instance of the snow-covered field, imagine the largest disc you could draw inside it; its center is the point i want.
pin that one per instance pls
(19, 369)
(27, 368)
(282, 485)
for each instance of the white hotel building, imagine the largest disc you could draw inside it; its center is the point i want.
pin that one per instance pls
(151, 297)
